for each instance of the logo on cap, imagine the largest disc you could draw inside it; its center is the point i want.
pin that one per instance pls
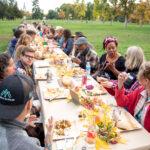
(6, 95)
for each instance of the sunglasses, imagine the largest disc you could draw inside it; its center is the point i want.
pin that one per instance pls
(28, 56)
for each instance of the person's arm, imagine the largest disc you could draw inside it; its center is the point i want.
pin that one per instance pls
(49, 135)
(123, 100)
(117, 67)
(69, 46)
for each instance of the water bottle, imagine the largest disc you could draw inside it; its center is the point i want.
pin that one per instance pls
(88, 68)
(49, 76)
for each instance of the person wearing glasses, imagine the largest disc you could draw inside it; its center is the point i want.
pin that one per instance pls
(24, 64)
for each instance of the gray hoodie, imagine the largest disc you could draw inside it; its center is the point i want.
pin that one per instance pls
(14, 137)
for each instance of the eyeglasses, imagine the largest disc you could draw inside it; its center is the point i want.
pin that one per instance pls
(28, 56)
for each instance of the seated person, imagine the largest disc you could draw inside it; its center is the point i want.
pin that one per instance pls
(31, 33)
(15, 105)
(134, 59)
(67, 44)
(51, 34)
(138, 101)
(59, 35)
(7, 66)
(111, 63)
(24, 65)
(85, 55)
(24, 39)
(14, 40)
(18, 52)
(75, 49)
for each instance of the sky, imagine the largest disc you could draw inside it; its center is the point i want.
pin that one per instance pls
(45, 5)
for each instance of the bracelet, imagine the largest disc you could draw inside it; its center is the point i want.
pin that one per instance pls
(48, 146)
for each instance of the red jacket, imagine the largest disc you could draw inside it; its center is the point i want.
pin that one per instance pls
(133, 102)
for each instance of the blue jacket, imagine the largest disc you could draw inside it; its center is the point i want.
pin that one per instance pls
(11, 46)
(69, 46)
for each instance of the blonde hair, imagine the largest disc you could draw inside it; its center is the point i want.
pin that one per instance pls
(18, 52)
(144, 71)
(25, 39)
(134, 57)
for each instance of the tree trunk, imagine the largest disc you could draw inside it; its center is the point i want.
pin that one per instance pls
(141, 22)
(126, 21)
(111, 21)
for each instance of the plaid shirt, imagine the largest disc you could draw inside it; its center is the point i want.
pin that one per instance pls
(111, 91)
(91, 56)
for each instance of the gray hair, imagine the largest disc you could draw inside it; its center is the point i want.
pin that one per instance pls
(144, 71)
(134, 57)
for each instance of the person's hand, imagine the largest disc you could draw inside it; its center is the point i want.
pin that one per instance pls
(101, 79)
(121, 79)
(105, 82)
(49, 135)
(110, 66)
(32, 119)
(76, 60)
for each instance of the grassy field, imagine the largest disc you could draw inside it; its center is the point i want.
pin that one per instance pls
(95, 32)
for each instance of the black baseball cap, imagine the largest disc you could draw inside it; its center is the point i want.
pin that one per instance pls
(15, 91)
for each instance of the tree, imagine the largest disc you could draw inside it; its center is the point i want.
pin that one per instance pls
(52, 14)
(114, 9)
(80, 9)
(127, 7)
(36, 11)
(141, 13)
(101, 10)
(96, 9)
(68, 9)
(61, 14)
(9, 9)
(89, 11)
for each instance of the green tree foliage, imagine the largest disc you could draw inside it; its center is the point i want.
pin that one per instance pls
(9, 9)
(101, 10)
(127, 7)
(96, 9)
(89, 11)
(114, 9)
(52, 14)
(68, 10)
(36, 11)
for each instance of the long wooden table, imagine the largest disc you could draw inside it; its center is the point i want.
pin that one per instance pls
(61, 109)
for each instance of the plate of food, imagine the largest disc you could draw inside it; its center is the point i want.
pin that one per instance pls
(52, 93)
(41, 73)
(64, 129)
(124, 120)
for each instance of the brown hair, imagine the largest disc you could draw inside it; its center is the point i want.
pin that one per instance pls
(18, 52)
(27, 49)
(25, 39)
(30, 32)
(144, 71)
(4, 63)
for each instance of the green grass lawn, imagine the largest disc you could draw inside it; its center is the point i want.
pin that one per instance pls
(95, 32)
(6, 32)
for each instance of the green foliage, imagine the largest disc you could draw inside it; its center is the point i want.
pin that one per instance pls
(36, 11)
(9, 10)
(89, 11)
(52, 14)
